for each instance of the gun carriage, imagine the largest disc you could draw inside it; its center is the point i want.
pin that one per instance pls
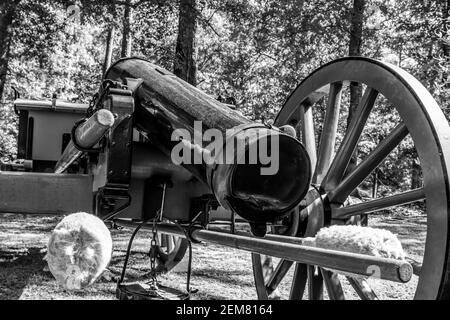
(115, 163)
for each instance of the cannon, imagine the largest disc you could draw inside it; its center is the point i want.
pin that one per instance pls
(136, 156)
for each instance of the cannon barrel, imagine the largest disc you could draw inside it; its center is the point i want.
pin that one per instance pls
(165, 105)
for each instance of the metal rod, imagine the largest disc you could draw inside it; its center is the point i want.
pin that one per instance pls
(370, 266)
(87, 135)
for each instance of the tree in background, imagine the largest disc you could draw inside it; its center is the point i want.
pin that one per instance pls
(109, 48)
(185, 61)
(126, 31)
(354, 49)
(7, 11)
(155, 33)
(253, 51)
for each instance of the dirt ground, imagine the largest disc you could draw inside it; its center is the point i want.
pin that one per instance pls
(218, 272)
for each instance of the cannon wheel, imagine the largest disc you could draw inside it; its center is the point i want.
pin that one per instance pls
(421, 118)
(171, 250)
(266, 278)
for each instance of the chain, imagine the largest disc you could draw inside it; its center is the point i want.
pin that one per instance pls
(153, 243)
(153, 280)
(98, 96)
(92, 104)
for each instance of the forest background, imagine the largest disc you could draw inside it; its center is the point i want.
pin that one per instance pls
(249, 53)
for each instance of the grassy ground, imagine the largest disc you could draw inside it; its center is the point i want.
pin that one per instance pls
(218, 272)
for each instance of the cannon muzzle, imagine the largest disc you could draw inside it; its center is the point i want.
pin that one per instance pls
(257, 171)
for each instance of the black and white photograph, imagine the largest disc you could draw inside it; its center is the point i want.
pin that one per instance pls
(224, 154)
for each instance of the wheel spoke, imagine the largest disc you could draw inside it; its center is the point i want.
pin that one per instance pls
(378, 204)
(348, 145)
(258, 275)
(308, 136)
(333, 285)
(329, 131)
(299, 281)
(373, 160)
(278, 275)
(315, 284)
(362, 288)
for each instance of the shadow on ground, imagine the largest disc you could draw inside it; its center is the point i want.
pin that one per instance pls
(17, 268)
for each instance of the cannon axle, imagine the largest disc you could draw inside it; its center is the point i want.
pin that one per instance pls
(286, 248)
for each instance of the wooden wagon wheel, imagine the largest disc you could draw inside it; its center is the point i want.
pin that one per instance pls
(420, 118)
(171, 250)
(266, 278)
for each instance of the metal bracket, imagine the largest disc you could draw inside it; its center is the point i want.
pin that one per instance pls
(117, 153)
(107, 199)
(200, 208)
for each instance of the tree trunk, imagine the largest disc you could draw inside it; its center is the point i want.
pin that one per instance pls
(375, 183)
(6, 18)
(354, 49)
(415, 176)
(445, 38)
(126, 31)
(185, 64)
(109, 49)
